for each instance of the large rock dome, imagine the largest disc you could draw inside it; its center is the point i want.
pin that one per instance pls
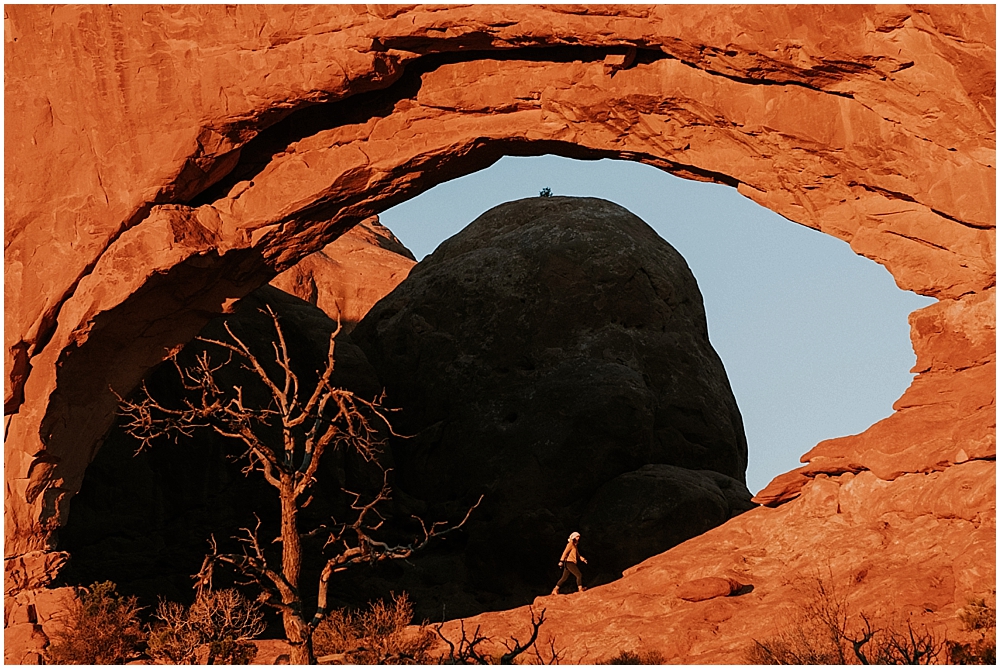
(551, 346)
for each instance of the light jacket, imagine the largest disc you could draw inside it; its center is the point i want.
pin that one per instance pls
(571, 554)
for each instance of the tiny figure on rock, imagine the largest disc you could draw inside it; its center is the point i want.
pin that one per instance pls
(570, 556)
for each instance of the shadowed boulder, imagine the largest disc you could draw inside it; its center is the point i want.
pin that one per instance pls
(633, 516)
(551, 346)
(143, 519)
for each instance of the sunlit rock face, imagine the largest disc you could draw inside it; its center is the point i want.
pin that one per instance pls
(162, 162)
(551, 346)
(349, 275)
(916, 547)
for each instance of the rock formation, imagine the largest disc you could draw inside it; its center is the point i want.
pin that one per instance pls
(641, 513)
(351, 274)
(551, 346)
(916, 547)
(162, 162)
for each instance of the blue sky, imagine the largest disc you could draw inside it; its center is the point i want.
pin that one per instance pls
(814, 338)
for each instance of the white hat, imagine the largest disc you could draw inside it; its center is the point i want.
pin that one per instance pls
(575, 535)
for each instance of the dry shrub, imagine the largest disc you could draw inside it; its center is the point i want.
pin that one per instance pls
(632, 657)
(378, 635)
(172, 641)
(104, 629)
(466, 649)
(978, 617)
(826, 632)
(815, 635)
(216, 629)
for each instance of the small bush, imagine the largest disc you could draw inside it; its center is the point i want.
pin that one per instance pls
(631, 657)
(545, 192)
(172, 641)
(978, 615)
(104, 629)
(379, 635)
(219, 624)
(826, 632)
(796, 647)
(981, 618)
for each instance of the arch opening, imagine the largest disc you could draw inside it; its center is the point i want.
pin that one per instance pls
(813, 336)
(629, 179)
(725, 129)
(687, 295)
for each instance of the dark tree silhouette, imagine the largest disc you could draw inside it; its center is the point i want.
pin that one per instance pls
(311, 422)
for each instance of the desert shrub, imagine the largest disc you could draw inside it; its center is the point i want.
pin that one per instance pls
(797, 647)
(172, 640)
(980, 618)
(545, 192)
(826, 632)
(814, 636)
(632, 657)
(218, 625)
(104, 629)
(378, 635)
(978, 615)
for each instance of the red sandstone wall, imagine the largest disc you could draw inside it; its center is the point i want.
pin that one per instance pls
(873, 124)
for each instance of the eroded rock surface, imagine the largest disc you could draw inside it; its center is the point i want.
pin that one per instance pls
(552, 345)
(351, 274)
(918, 547)
(874, 124)
(216, 191)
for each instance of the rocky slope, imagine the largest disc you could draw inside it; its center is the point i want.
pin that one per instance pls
(917, 547)
(201, 150)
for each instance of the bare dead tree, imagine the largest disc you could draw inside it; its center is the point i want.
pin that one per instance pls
(467, 651)
(311, 423)
(555, 655)
(827, 632)
(874, 644)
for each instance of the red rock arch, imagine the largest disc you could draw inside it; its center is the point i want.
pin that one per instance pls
(875, 125)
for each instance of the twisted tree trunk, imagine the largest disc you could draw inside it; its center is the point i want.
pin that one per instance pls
(297, 630)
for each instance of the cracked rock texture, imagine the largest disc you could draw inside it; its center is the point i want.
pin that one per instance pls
(162, 162)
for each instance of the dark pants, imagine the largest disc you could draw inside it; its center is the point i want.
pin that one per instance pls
(571, 568)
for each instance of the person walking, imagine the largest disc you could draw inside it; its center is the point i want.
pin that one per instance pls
(570, 556)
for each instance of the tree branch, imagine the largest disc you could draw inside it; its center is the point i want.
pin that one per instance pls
(324, 381)
(508, 657)
(370, 550)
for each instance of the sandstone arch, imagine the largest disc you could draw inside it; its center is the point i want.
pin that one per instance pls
(875, 125)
